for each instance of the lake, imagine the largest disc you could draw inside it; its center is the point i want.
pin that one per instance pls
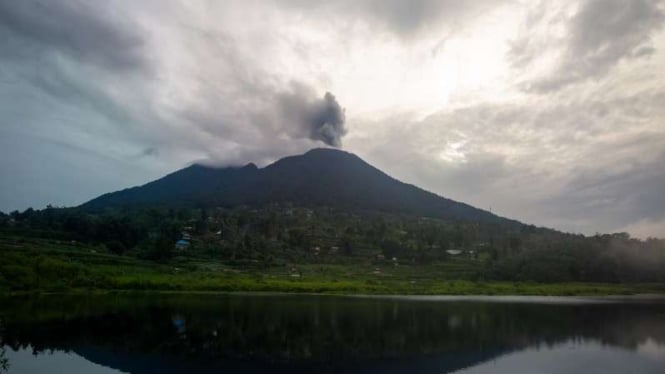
(205, 333)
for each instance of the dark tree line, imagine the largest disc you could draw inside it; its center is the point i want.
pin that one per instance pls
(304, 234)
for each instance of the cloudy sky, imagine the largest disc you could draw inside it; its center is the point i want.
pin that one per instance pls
(550, 112)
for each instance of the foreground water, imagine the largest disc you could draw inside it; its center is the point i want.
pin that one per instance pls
(300, 333)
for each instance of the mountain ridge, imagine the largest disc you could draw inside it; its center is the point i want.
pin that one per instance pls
(321, 176)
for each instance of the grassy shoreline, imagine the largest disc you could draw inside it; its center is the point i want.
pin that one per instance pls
(452, 288)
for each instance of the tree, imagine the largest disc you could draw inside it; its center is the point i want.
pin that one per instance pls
(297, 237)
(161, 249)
(515, 243)
(347, 245)
(115, 247)
(391, 248)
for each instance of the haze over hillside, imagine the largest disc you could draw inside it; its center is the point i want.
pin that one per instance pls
(321, 176)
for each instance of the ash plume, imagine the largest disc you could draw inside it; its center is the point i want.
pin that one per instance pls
(327, 122)
(317, 119)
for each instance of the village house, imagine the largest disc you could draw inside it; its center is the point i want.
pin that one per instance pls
(181, 244)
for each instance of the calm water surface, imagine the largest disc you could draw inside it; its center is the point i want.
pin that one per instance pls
(329, 334)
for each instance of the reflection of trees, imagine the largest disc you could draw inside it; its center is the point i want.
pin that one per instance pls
(4, 361)
(314, 329)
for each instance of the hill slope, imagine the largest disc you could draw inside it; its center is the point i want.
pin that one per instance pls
(319, 177)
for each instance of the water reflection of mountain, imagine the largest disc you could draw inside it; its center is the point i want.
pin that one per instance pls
(250, 333)
(142, 363)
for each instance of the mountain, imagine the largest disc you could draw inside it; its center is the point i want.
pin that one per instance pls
(319, 177)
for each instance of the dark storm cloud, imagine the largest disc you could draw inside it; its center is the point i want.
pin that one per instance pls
(318, 119)
(150, 151)
(68, 50)
(603, 31)
(407, 18)
(68, 70)
(403, 18)
(644, 52)
(600, 34)
(85, 31)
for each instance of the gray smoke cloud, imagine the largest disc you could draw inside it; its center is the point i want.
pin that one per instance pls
(317, 119)
(327, 123)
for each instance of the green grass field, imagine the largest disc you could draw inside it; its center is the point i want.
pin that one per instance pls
(37, 265)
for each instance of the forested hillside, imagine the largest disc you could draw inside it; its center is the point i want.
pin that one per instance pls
(287, 235)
